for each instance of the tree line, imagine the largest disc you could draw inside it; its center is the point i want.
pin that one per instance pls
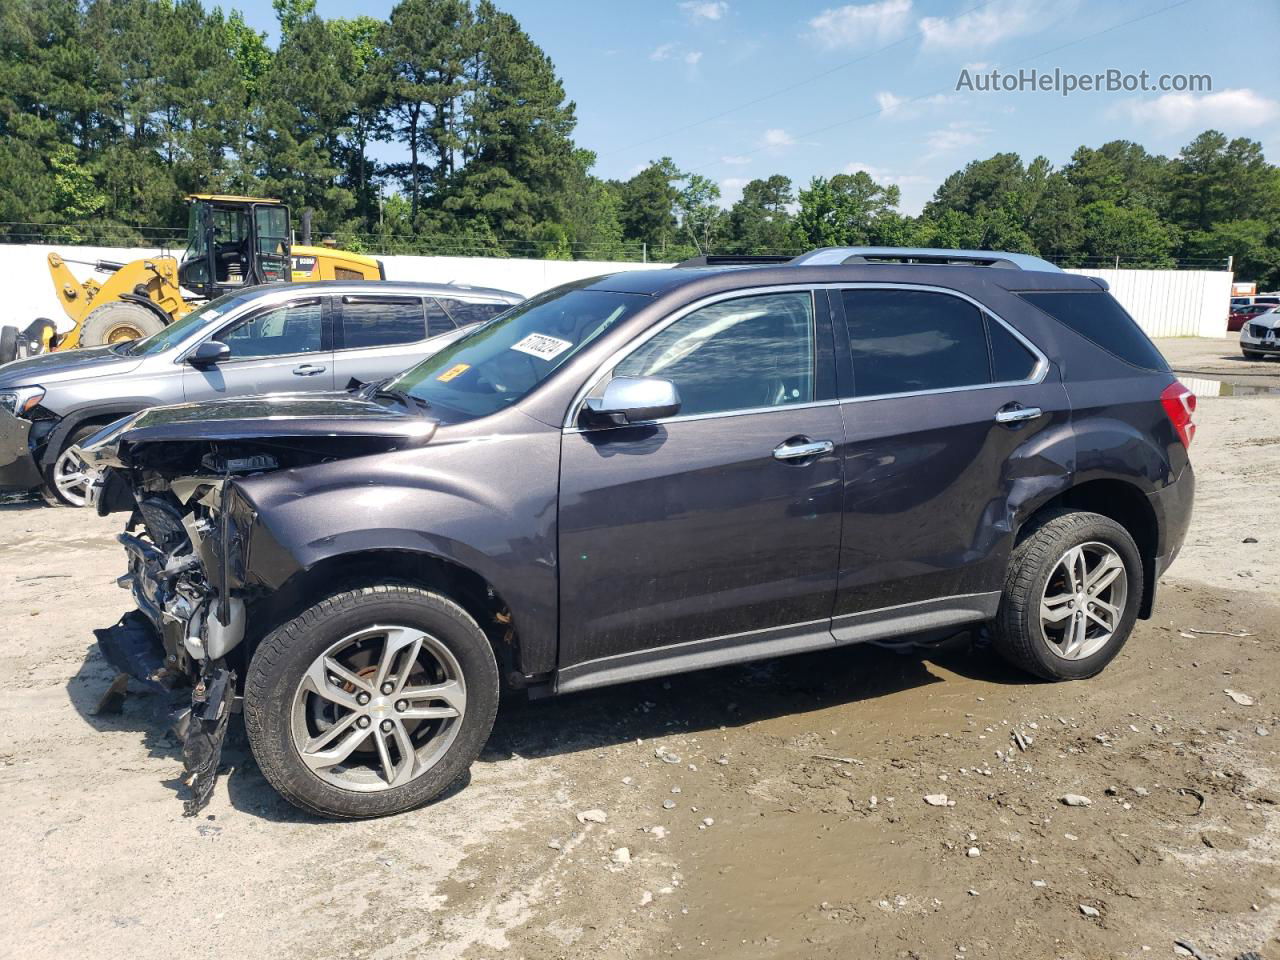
(111, 111)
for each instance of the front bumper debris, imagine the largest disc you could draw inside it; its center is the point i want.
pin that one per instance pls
(134, 647)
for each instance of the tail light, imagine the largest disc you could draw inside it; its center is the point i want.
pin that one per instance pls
(1179, 405)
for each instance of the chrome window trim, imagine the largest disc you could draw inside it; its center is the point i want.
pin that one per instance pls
(1038, 372)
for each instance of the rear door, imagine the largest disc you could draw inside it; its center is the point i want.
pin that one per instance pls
(286, 347)
(382, 334)
(942, 405)
(704, 537)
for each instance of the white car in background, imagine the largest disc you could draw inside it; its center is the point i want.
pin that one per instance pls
(1260, 336)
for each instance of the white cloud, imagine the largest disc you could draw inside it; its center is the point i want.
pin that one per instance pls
(981, 66)
(1226, 109)
(692, 57)
(889, 102)
(777, 138)
(881, 175)
(856, 24)
(705, 9)
(663, 52)
(731, 190)
(989, 24)
(957, 134)
(892, 105)
(736, 161)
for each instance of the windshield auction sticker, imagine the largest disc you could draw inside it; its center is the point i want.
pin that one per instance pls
(541, 346)
(457, 370)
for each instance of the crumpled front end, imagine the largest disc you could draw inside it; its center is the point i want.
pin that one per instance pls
(177, 473)
(180, 545)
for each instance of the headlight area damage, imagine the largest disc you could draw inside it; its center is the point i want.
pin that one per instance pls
(188, 543)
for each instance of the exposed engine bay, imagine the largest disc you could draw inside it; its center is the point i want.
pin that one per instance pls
(186, 541)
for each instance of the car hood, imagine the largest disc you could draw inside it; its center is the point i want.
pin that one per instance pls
(78, 364)
(317, 421)
(1269, 320)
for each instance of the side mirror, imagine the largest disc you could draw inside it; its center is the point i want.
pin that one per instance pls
(629, 400)
(209, 353)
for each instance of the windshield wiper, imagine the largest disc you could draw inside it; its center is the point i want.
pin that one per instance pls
(406, 398)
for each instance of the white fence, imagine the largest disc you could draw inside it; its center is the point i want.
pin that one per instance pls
(1166, 303)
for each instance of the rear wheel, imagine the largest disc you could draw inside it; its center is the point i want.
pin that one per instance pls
(118, 322)
(69, 480)
(372, 702)
(1071, 596)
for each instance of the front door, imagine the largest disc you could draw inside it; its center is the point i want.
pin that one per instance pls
(708, 536)
(283, 348)
(943, 412)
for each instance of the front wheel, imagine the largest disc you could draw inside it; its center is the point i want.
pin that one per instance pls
(1071, 596)
(70, 480)
(372, 702)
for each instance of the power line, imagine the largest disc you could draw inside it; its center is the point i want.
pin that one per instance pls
(787, 89)
(934, 93)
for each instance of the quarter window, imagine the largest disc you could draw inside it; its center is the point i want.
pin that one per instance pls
(292, 328)
(381, 322)
(906, 341)
(734, 355)
(1011, 362)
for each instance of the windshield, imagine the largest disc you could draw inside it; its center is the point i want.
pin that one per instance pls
(503, 360)
(179, 330)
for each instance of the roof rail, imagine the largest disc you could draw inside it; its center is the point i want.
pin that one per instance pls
(971, 258)
(734, 259)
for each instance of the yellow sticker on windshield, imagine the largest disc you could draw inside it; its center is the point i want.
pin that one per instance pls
(457, 370)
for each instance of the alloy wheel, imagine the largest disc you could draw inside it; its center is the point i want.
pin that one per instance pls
(75, 480)
(1083, 601)
(378, 709)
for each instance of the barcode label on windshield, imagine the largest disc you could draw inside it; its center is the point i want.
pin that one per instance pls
(541, 346)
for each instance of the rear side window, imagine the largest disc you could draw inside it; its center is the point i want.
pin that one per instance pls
(1099, 318)
(438, 321)
(906, 341)
(464, 313)
(381, 321)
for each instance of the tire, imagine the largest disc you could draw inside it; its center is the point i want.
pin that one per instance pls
(8, 344)
(58, 491)
(285, 712)
(117, 322)
(1038, 571)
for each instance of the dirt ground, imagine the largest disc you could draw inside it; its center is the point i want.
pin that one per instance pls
(773, 810)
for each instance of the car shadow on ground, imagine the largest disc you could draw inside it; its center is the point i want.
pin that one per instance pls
(729, 697)
(687, 703)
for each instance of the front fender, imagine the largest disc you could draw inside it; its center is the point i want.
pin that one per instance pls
(486, 504)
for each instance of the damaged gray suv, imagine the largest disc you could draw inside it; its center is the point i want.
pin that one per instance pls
(643, 474)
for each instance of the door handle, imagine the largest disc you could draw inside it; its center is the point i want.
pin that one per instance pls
(307, 370)
(801, 448)
(1017, 414)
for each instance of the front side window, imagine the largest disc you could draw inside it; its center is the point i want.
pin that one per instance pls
(381, 322)
(739, 354)
(498, 363)
(279, 331)
(906, 341)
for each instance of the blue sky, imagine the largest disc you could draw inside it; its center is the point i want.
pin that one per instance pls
(735, 90)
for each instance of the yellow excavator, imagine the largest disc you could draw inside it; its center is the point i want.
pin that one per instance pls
(232, 242)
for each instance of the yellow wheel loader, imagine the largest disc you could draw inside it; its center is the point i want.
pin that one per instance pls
(232, 242)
